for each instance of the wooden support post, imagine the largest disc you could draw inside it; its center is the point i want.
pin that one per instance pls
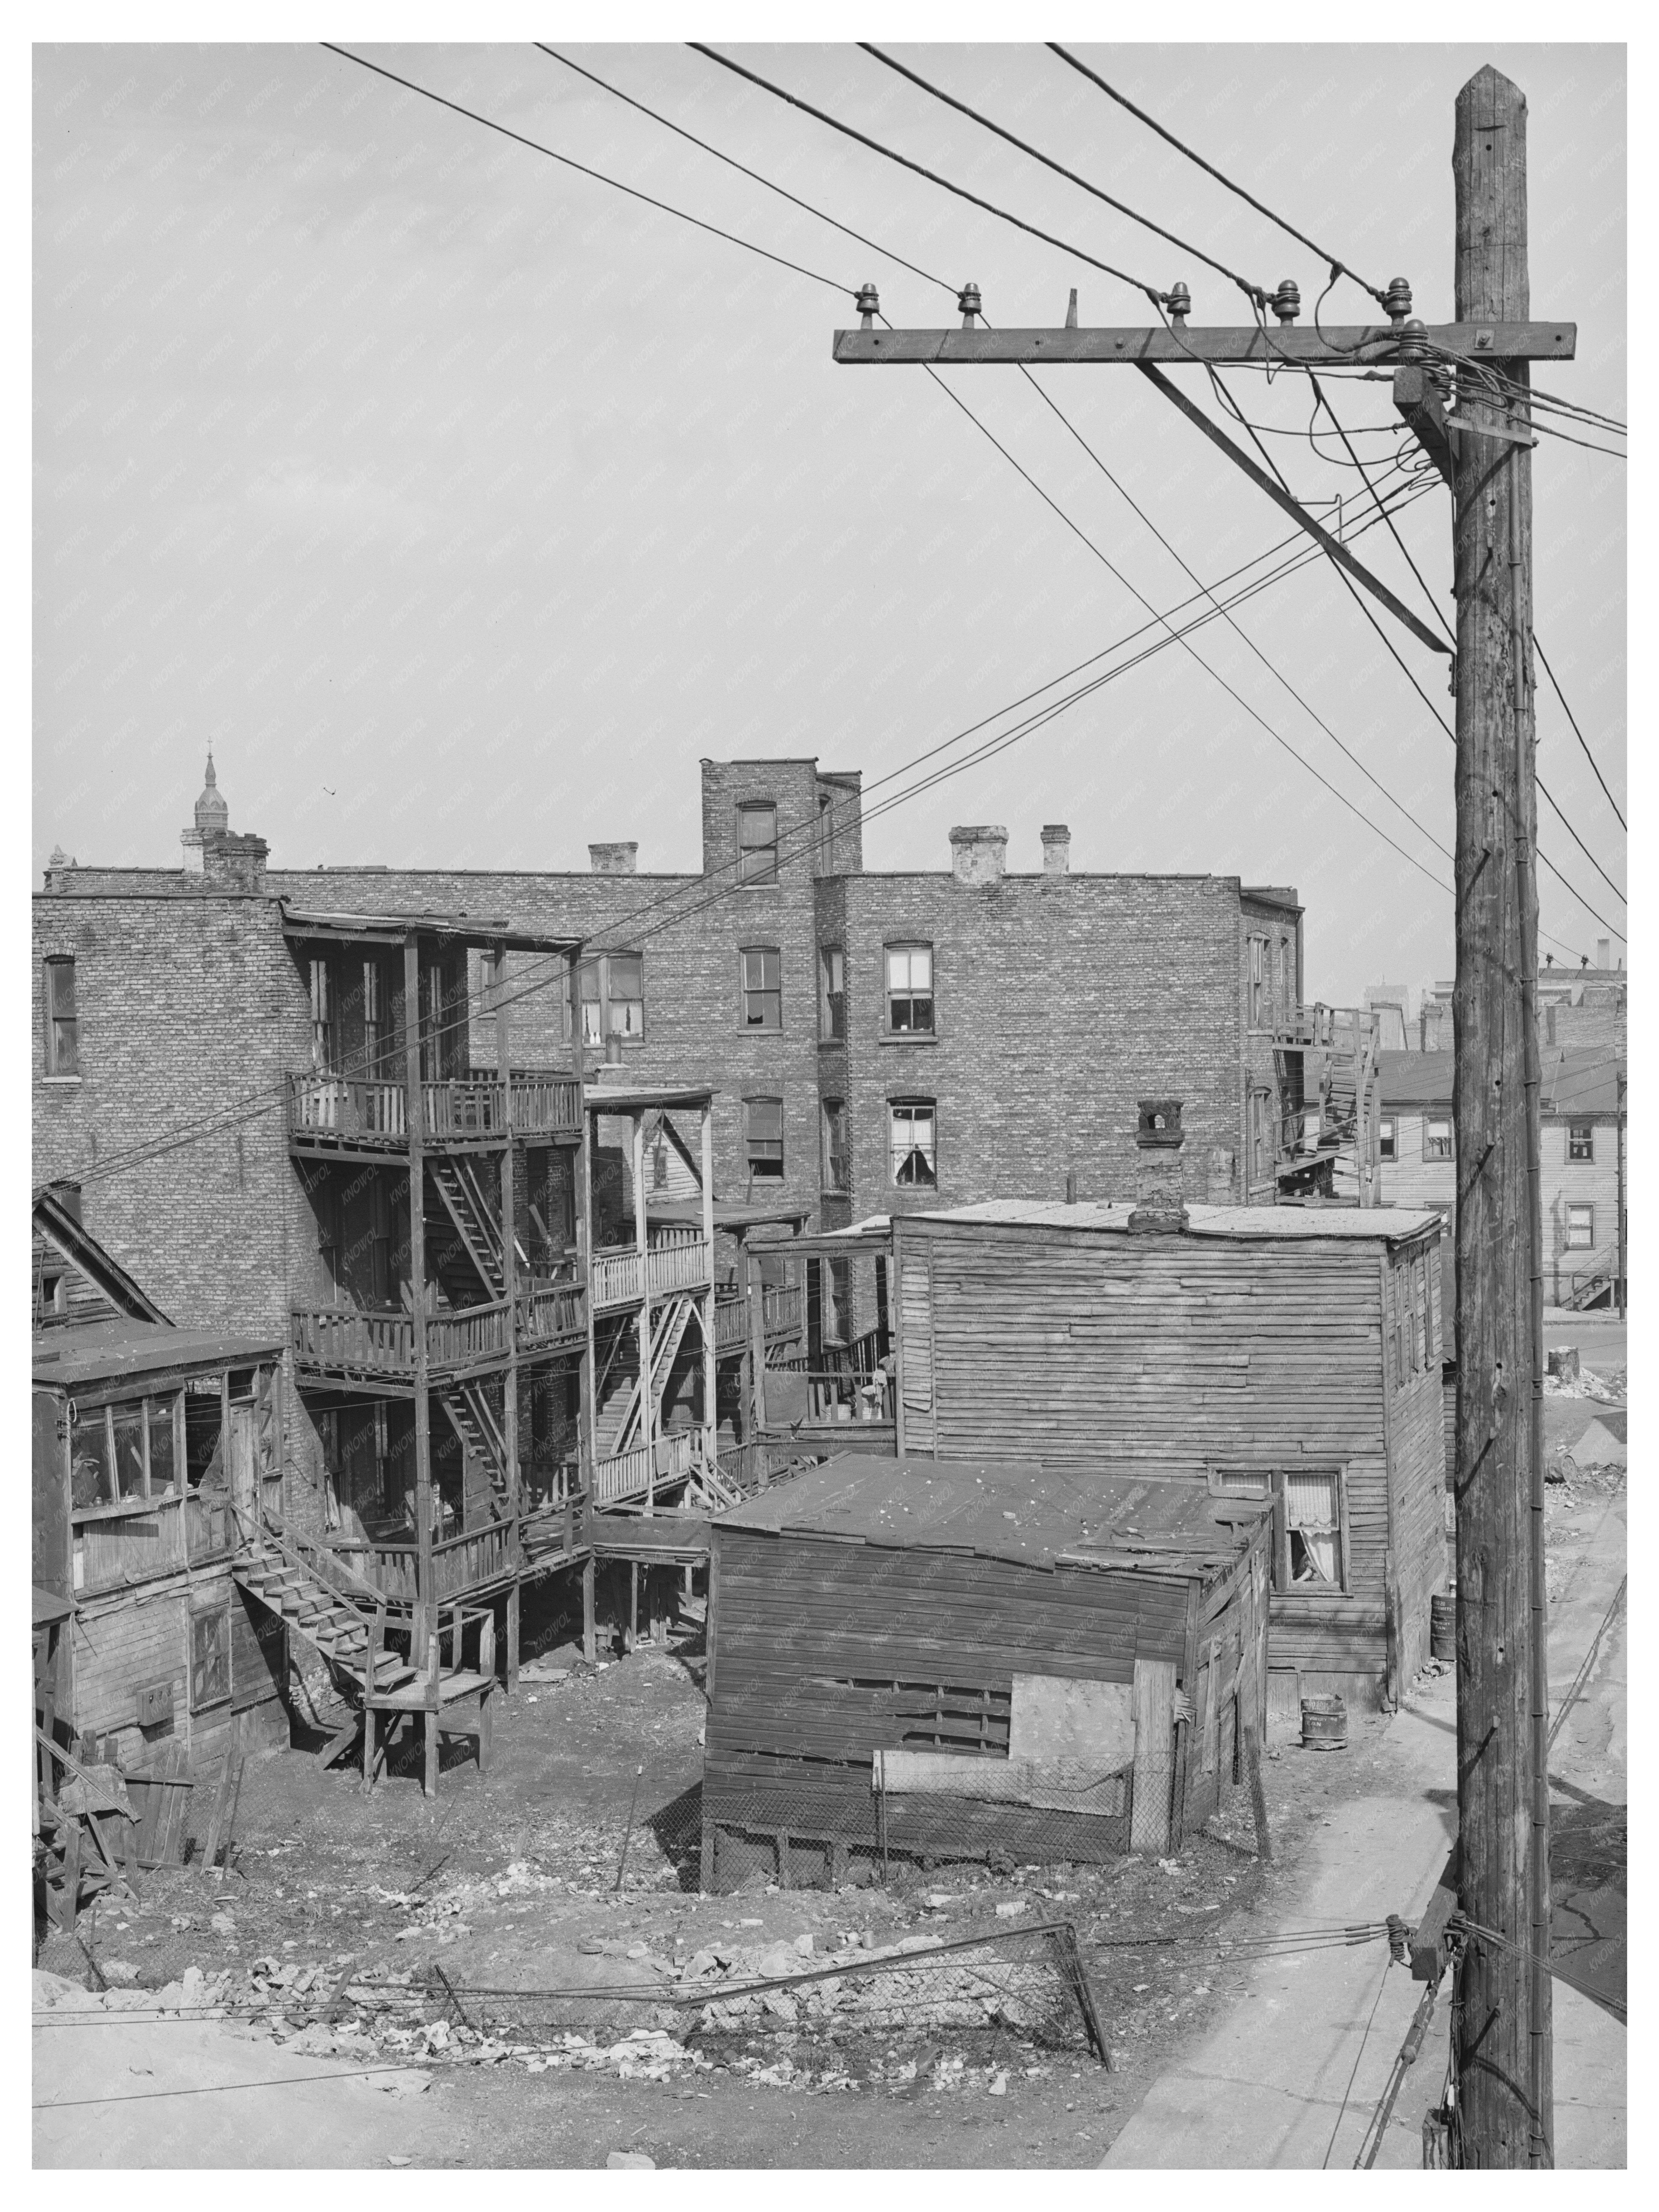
(512, 1599)
(510, 1292)
(587, 1445)
(710, 1405)
(371, 1735)
(1264, 1849)
(633, 1603)
(430, 1775)
(648, 1380)
(424, 1621)
(1152, 1782)
(1503, 2017)
(590, 1643)
(756, 1288)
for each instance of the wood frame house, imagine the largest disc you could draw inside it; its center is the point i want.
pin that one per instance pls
(153, 1447)
(957, 1659)
(1288, 1353)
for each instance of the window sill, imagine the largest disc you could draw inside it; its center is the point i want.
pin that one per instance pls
(65, 1079)
(906, 1037)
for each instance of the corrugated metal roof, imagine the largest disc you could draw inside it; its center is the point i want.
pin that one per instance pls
(1002, 1509)
(106, 1351)
(1267, 1223)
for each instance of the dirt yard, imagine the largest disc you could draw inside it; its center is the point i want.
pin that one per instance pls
(323, 1942)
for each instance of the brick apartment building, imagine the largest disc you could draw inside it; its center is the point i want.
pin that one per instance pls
(878, 1043)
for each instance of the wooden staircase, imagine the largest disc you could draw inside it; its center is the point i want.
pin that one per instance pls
(619, 1420)
(474, 1224)
(1342, 1163)
(472, 1417)
(277, 1574)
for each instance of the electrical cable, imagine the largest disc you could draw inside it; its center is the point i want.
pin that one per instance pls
(1342, 2108)
(599, 176)
(1337, 266)
(1254, 293)
(1135, 283)
(886, 252)
(1434, 603)
(1617, 2006)
(267, 1099)
(1545, 793)
(1576, 731)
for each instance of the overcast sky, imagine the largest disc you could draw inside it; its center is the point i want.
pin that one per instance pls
(461, 504)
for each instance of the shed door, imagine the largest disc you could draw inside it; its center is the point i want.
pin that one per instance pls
(916, 1345)
(242, 1457)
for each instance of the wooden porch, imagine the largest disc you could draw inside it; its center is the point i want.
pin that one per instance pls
(374, 1346)
(345, 1116)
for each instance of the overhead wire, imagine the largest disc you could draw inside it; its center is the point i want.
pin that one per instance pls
(1333, 261)
(621, 931)
(1576, 731)
(1320, 400)
(887, 153)
(1253, 292)
(494, 994)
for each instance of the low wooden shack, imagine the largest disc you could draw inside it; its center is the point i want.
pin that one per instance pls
(975, 1660)
(1291, 1353)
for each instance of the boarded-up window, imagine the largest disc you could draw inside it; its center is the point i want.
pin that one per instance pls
(63, 1039)
(209, 1657)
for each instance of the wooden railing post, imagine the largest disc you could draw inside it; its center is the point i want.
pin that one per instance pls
(422, 1619)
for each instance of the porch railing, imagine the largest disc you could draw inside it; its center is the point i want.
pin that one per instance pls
(375, 1112)
(629, 1474)
(459, 1563)
(781, 1315)
(677, 1259)
(552, 1314)
(380, 1340)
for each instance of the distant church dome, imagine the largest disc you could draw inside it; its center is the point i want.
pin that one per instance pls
(211, 811)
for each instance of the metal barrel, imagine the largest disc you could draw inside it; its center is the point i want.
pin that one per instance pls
(1324, 1725)
(1442, 1628)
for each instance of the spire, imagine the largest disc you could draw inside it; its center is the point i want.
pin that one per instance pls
(211, 811)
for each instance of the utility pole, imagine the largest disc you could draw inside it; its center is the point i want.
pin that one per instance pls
(1619, 1282)
(1501, 2023)
(1483, 450)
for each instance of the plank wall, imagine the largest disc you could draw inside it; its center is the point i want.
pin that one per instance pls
(796, 1617)
(1079, 1350)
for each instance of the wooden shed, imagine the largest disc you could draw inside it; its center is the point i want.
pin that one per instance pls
(1286, 1352)
(976, 1660)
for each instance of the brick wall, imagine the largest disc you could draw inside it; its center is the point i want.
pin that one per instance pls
(1059, 1001)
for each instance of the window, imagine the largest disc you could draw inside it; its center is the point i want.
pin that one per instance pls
(1437, 1140)
(836, 1165)
(910, 990)
(912, 1143)
(377, 1041)
(209, 1657)
(1310, 1554)
(763, 1138)
(125, 1451)
(763, 989)
(1258, 980)
(832, 993)
(1580, 1140)
(758, 843)
(1385, 1137)
(322, 1019)
(63, 1025)
(611, 989)
(1581, 1228)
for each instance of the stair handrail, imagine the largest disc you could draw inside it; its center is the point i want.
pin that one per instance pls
(293, 1550)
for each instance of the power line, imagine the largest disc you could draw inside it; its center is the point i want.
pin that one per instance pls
(1434, 603)
(1337, 266)
(1576, 731)
(1254, 293)
(599, 175)
(1578, 841)
(887, 153)
(267, 1099)
(730, 160)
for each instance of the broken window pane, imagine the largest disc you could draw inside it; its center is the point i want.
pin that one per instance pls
(163, 1471)
(128, 1424)
(763, 990)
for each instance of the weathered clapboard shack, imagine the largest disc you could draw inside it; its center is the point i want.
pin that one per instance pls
(148, 1442)
(1291, 1353)
(974, 1659)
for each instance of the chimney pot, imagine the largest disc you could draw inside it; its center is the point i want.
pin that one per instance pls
(1056, 849)
(613, 859)
(1604, 953)
(1159, 1190)
(978, 853)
